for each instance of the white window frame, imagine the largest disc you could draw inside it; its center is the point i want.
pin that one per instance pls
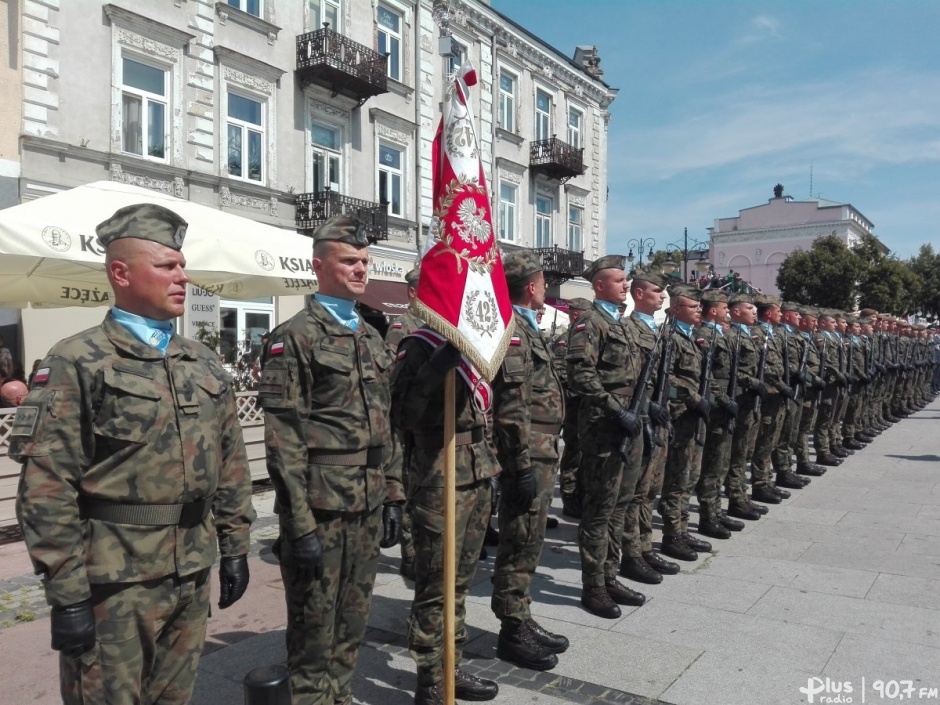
(391, 173)
(451, 62)
(543, 222)
(543, 117)
(575, 228)
(264, 306)
(390, 35)
(328, 154)
(575, 133)
(146, 98)
(317, 22)
(245, 128)
(507, 101)
(507, 212)
(243, 5)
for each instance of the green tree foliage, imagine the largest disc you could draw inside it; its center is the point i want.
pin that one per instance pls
(827, 275)
(890, 286)
(926, 266)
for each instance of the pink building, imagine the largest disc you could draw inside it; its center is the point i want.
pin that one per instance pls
(760, 238)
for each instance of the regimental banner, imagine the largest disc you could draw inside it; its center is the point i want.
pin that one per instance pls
(462, 291)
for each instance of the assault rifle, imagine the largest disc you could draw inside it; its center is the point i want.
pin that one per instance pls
(801, 373)
(761, 366)
(786, 363)
(822, 366)
(733, 380)
(639, 393)
(841, 391)
(661, 393)
(705, 383)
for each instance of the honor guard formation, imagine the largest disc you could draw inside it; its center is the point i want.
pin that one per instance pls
(135, 476)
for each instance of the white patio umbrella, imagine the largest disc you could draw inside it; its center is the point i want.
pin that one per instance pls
(50, 255)
(553, 315)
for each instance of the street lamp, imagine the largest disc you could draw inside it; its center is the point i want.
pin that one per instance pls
(640, 245)
(698, 248)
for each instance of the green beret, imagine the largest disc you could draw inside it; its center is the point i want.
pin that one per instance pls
(714, 296)
(519, 265)
(579, 304)
(686, 290)
(605, 262)
(412, 277)
(787, 306)
(650, 275)
(826, 313)
(849, 318)
(342, 228)
(740, 298)
(144, 221)
(766, 300)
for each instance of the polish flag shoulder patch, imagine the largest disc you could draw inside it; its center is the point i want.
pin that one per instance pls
(396, 325)
(41, 376)
(401, 355)
(515, 340)
(580, 326)
(276, 349)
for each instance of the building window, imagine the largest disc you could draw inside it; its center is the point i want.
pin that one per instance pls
(507, 212)
(575, 119)
(325, 11)
(543, 115)
(252, 7)
(575, 228)
(458, 54)
(242, 323)
(143, 110)
(543, 221)
(507, 101)
(326, 157)
(245, 137)
(390, 178)
(390, 23)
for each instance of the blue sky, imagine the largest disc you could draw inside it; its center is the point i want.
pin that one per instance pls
(720, 100)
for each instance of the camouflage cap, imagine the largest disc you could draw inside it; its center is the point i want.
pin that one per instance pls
(519, 265)
(839, 314)
(868, 312)
(605, 262)
(766, 300)
(686, 290)
(412, 277)
(865, 321)
(714, 296)
(740, 298)
(809, 311)
(650, 275)
(787, 306)
(144, 221)
(342, 228)
(579, 304)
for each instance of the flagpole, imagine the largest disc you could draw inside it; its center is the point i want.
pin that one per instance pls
(450, 544)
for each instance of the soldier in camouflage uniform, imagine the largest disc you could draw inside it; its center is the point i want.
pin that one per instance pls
(330, 455)
(687, 407)
(827, 343)
(527, 417)
(406, 324)
(603, 366)
(858, 380)
(640, 562)
(812, 388)
(133, 467)
(845, 365)
(424, 359)
(571, 454)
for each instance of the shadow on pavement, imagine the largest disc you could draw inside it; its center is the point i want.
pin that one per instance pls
(932, 458)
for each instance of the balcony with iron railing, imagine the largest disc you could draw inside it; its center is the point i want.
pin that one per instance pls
(314, 209)
(560, 265)
(556, 159)
(328, 59)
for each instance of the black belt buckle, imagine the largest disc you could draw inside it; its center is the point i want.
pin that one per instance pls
(193, 513)
(374, 456)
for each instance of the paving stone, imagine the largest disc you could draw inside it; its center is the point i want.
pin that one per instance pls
(859, 656)
(844, 536)
(878, 561)
(905, 590)
(921, 523)
(920, 544)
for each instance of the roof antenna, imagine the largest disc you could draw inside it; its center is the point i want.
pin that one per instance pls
(810, 179)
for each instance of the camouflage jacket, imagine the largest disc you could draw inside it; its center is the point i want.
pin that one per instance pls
(790, 339)
(829, 347)
(527, 398)
(813, 362)
(721, 360)
(773, 366)
(406, 324)
(559, 350)
(418, 414)
(686, 370)
(749, 349)
(324, 389)
(645, 339)
(110, 418)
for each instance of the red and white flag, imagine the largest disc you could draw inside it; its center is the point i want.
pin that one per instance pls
(462, 291)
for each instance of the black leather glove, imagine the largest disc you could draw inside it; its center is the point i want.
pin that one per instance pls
(444, 359)
(494, 494)
(523, 489)
(629, 422)
(851, 379)
(800, 378)
(702, 409)
(307, 557)
(841, 380)
(659, 414)
(819, 383)
(73, 628)
(880, 368)
(786, 391)
(761, 390)
(731, 408)
(233, 580)
(391, 525)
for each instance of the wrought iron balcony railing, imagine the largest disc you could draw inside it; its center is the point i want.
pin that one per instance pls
(556, 159)
(345, 67)
(314, 209)
(560, 265)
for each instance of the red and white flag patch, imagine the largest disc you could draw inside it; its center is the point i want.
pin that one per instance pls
(515, 340)
(580, 326)
(276, 349)
(41, 376)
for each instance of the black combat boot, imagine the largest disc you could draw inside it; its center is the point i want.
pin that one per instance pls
(766, 494)
(660, 564)
(430, 694)
(556, 643)
(838, 451)
(844, 449)
(695, 543)
(517, 644)
(639, 570)
(791, 480)
(551, 523)
(811, 469)
(571, 506)
(829, 460)
(491, 537)
(729, 523)
(712, 527)
(473, 688)
(623, 595)
(597, 602)
(743, 510)
(675, 547)
(759, 508)
(853, 444)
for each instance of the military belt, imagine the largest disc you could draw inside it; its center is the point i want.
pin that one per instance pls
(430, 441)
(369, 457)
(552, 429)
(187, 515)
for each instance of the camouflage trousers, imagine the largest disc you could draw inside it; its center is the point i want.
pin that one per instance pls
(326, 619)
(822, 438)
(609, 485)
(781, 456)
(407, 540)
(852, 411)
(638, 519)
(149, 639)
(772, 412)
(571, 455)
(426, 623)
(521, 535)
(841, 410)
(716, 458)
(683, 463)
(807, 423)
(742, 447)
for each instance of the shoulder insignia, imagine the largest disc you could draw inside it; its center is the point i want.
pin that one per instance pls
(401, 354)
(701, 341)
(41, 376)
(561, 344)
(396, 325)
(580, 326)
(515, 340)
(276, 349)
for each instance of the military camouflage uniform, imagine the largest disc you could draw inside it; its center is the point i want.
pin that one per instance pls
(828, 345)
(324, 390)
(112, 425)
(571, 453)
(746, 423)
(527, 417)
(791, 345)
(418, 412)
(811, 394)
(603, 366)
(772, 410)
